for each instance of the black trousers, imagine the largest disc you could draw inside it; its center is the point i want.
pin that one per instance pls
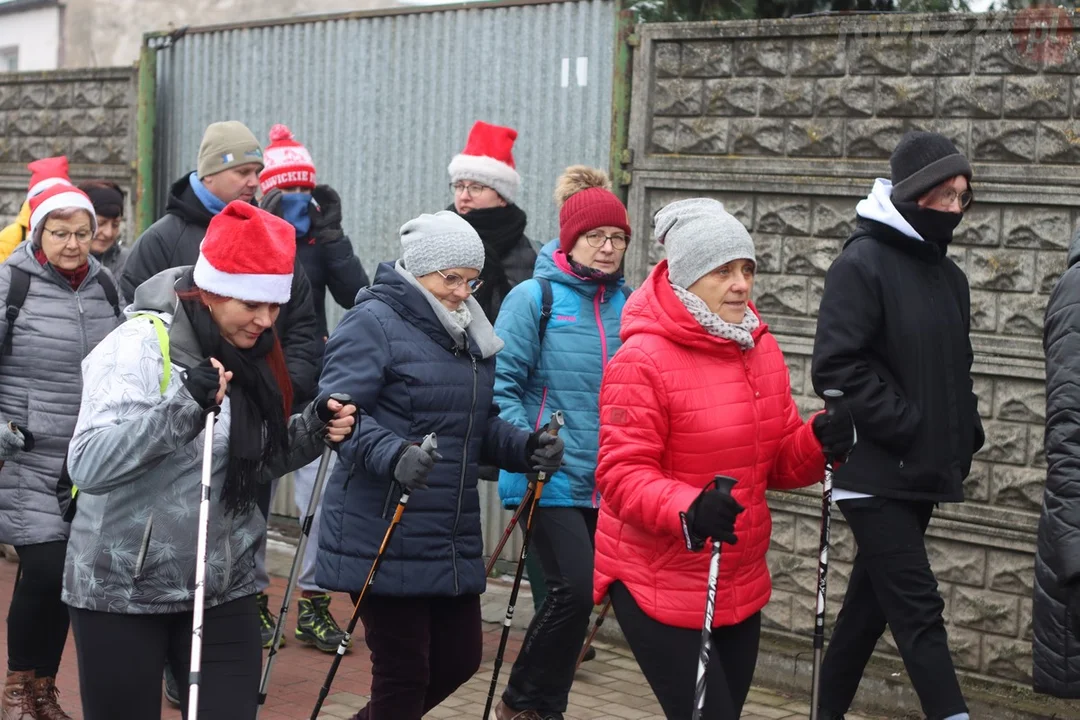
(121, 658)
(669, 658)
(422, 650)
(562, 538)
(891, 583)
(37, 622)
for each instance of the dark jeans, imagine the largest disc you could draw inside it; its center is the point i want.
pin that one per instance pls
(891, 583)
(562, 538)
(669, 658)
(422, 650)
(37, 622)
(121, 658)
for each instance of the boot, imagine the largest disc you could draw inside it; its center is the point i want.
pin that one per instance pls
(316, 626)
(267, 622)
(47, 700)
(502, 711)
(18, 702)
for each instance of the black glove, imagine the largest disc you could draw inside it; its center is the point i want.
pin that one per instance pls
(203, 381)
(322, 408)
(545, 451)
(835, 430)
(413, 465)
(326, 212)
(712, 515)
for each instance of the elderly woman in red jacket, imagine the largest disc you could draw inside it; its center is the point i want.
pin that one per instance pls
(698, 389)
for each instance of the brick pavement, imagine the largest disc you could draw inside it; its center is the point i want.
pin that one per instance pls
(611, 687)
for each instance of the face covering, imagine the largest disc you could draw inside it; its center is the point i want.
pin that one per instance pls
(294, 207)
(933, 225)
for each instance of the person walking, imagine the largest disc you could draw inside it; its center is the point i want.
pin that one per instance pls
(289, 191)
(1056, 608)
(199, 339)
(108, 201)
(892, 334)
(44, 174)
(561, 328)
(418, 356)
(58, 304)
(699, 388)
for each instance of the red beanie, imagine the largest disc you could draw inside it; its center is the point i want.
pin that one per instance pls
(587, 210)
(247, 254)
(287, 162)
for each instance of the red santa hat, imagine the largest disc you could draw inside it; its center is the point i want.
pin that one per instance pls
(47, 172)
(488, 160)
(247, 254)
(59, 197)
(287, 163)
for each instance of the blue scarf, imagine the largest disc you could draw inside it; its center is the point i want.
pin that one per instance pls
(209, 200)
(294, 208)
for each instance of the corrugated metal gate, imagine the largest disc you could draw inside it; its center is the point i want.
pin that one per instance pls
(384, 101)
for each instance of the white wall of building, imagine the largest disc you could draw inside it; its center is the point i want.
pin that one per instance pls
(36, 33)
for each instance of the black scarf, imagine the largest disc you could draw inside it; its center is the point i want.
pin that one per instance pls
(933, 225)
(258, 427)
(500, 228)
(591, 274)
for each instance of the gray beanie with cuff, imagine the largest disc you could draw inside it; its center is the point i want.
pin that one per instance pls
(700, 236)
(439, 242)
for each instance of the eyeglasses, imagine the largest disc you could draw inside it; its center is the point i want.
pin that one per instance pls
(83, 237)
(598, 239)
(453, 282)
(945, 198)
(475, 190)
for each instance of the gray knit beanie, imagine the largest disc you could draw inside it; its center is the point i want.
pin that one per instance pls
(700, 236)
(438, 242)
(227, 145)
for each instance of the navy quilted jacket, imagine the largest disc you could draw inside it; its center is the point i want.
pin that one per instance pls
(402, 368)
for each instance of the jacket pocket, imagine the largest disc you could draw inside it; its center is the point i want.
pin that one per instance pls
(392, 492)
(144, 546)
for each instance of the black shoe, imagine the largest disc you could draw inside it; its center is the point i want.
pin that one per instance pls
(828, 715)
(316, 626)
(590, 654)
(172, 690)
(268, 623)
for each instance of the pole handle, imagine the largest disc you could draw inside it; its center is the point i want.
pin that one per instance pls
(724, 484)
(558, 421)
(430, 444)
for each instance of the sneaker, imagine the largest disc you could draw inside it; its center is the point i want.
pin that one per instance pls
(172, 690)
(502, 711)
(267, 622)
(316, 626)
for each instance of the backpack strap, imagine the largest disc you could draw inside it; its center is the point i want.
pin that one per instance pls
(545, 306)
(16, 296)
(110, 292)
(163, 342)
(626, 292)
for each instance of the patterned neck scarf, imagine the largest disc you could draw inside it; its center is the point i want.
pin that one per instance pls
(742, 333)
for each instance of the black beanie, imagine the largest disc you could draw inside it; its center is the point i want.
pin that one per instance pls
(107, 197)
(922, 161)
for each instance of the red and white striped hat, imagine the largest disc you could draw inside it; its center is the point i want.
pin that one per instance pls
(46, 173)
(58, 197)
(287, 162)
(247, 254)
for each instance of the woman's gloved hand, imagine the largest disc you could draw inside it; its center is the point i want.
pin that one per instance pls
(413, 465)
(545, 451)
(338, 418)
(13, 440)
(712, 515)
(207, 383)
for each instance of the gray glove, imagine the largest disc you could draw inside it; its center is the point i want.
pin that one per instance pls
(412, 467)
(13, 440)
(545, 451)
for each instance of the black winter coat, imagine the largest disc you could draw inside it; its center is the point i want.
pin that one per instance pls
(173, 241)
(1056, 652)
(892, 334)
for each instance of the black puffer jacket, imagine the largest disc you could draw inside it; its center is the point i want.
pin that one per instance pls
(509, 255)
(1057, 561)
(173, 241)
(893, 336)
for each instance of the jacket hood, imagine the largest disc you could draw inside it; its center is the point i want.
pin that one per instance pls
(878, 206)
(156, 295)
(184, 204)
(552, 265)
(23, 218)
(397, 292)
(1074, 249)
(655, 309)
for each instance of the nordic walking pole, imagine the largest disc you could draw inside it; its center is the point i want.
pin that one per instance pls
(592, 635)
(429, 445)
(305, 537)
(724, 484)
(823, 568)
(509, 529)
(194, 676)
(553, 428)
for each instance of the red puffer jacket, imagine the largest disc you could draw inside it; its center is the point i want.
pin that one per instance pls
(677, 407)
